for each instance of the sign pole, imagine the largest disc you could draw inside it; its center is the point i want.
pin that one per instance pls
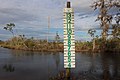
(69, 39)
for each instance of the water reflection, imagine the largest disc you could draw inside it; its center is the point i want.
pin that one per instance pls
(57, 60)
(111, 66)
(107, 67)
(9, 68)
(26, 65)
(106, 72)
(19, 53)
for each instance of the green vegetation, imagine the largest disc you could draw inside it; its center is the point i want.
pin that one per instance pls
(23, 43)
(1, 42)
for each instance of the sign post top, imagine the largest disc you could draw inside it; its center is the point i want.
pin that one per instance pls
(68, 4)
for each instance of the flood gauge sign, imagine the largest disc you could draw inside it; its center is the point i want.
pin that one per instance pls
(69, 37)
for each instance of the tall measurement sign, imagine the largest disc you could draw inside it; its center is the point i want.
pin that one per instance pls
(69, 38)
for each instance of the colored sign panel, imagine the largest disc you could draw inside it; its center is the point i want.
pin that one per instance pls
(69, 38)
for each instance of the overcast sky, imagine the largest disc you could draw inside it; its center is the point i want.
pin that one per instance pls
(30, 17)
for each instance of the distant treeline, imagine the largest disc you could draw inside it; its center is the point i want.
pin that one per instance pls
(31, 44)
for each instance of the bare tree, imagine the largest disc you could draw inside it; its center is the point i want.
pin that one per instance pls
(57, 37)
(104, 17)
(92, 34)
(10, 27)
(116, 27)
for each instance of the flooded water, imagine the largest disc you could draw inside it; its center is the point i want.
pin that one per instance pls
(25, 65)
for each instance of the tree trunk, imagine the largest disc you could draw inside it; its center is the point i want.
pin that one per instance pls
(94, 44)
(12, 38)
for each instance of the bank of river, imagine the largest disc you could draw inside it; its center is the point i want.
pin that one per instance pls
(27, 65)
(59, 49)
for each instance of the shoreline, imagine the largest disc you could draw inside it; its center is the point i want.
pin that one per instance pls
(42, 50)
(55, 50)
(43, 46)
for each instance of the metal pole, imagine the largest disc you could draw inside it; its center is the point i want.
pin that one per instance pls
(68, 74)
(48, 27)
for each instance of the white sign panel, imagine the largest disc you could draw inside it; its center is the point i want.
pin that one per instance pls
(69, 38)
